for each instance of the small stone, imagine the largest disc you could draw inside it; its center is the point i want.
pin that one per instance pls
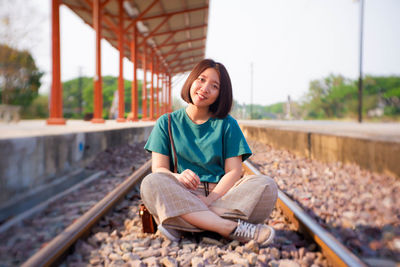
(126, 247)
(164, 251)
(130, 257)
(240, 249)
(156, 244)
(185, 260)
(95, 260)
(114, 233)
(151, 262)
(262, 258)
(197, 262)
(169, 262)
(235, 258)
(211, 241)
(210, 255)
(149, 253)
(288, 263)
(252, 258)
(166, 243)
(189, 247)
(233, 244)
(139, 249)
(114, 257)
(137, 263)
(145, 242)
(118, 263)
(275, 253)
(252, 246)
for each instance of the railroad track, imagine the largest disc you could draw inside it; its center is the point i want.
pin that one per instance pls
(336, 252)
(56, 250)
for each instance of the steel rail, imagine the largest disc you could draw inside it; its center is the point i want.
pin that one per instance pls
(53, 251)
(335, 251)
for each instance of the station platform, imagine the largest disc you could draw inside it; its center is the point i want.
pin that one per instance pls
(372, 131)
(36, 158)
(366, 130)
(30, 128)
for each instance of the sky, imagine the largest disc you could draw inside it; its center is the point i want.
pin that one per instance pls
(288, 42)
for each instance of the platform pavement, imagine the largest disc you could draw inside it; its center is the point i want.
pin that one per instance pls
(30, 128)
(373, 131)
(366, 130)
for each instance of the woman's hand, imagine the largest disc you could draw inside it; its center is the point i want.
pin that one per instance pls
(189, 179)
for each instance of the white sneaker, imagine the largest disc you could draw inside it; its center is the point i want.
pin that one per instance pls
(261, 233)
(171, 234)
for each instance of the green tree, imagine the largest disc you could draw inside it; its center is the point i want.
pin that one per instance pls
(81, 88)
(19, 76)
(337, 97)
(39, 108)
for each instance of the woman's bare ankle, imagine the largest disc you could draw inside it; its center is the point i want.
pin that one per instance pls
(228, 227)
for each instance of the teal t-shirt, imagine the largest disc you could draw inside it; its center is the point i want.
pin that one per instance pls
(201, 148)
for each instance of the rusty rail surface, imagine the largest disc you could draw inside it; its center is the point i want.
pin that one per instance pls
(335, 251)
(53, 251)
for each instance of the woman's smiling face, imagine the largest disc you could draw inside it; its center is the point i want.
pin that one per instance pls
(205, 89)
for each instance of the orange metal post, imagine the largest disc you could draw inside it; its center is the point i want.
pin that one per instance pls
(152, 87)
(165, 93)
(161, 91)
(121, 100)
(56, 116)
(98, 97)
(157, 91)
(144, 86)
(134, 90)
(170, 93)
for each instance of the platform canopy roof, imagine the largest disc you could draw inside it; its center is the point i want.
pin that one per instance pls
(175, 29)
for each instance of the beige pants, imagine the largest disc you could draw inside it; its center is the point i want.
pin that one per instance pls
(252, 199)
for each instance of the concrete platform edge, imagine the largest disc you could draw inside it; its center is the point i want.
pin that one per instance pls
(374, 155)
(27, 163)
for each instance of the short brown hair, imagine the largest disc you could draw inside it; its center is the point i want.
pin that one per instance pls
(222, 106)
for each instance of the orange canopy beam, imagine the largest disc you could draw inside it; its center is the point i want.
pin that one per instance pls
(181, 60)
(141, 15)
(183, 42)
(174, 13)
(167, 39)
(181, 30)
(155, 30)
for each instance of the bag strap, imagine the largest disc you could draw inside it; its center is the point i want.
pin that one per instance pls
(172, 143)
